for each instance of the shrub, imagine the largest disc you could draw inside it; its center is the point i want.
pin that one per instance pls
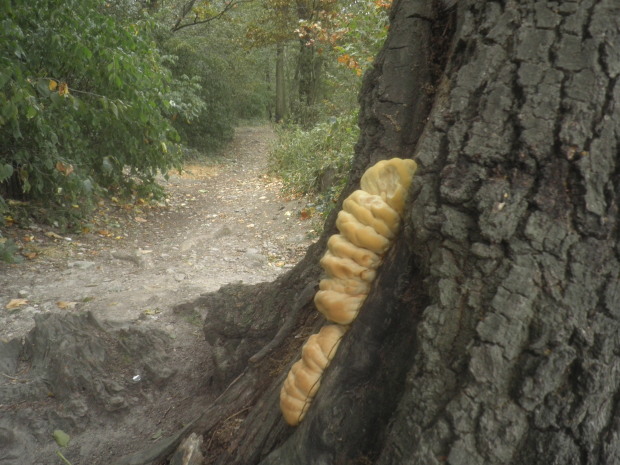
(316, 161)
(82, 97)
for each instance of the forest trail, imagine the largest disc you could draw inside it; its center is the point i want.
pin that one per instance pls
(220, 224)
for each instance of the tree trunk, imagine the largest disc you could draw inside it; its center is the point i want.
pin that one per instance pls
(281, 107)
(309, 66)
(490, 335)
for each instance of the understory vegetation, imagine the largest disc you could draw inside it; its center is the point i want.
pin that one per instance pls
(316, 161)
(99, 97)
(316, 145)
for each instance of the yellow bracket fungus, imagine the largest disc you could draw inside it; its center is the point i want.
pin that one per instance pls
(368, 223)
(304, 379)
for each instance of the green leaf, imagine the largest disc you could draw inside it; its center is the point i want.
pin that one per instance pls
(9, 110)
(6, 171)
(31, 112)
(43, 87)
(61, 438)
(107, 165)
(85, 52)
(4, 78)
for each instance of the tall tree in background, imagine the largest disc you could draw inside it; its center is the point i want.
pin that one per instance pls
(281, 22)
(490, 336)
(281, 96)
(309, 62)
(274, 25)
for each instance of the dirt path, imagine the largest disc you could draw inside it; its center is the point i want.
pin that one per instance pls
(221, 224)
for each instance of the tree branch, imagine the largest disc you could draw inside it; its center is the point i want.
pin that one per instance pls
(188, 7)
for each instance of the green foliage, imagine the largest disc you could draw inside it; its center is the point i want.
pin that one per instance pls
(360, 32)
(211, 124)
(82, 97)
(316, 161)
(229, 80)
(9, 251)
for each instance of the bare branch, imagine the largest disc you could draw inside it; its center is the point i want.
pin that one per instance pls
(188, 7)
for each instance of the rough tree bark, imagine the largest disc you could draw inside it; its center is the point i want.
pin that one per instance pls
(491, 333)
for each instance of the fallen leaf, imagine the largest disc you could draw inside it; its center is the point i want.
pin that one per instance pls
(65, 305)
(16, 303)
(105, 233)
(61, 438)
(30, 255)
(139, 219)
(53, 235)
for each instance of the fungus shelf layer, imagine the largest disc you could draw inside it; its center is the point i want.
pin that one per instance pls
(368, 224)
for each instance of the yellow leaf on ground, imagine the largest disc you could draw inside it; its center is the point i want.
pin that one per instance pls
(53, 235)
(16, 303)
(65, 305)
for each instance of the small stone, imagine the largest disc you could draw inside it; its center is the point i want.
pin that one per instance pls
(22, 294)
(81, 264)
(115, 403)
(222, 232)
(298, 238)
(255, 259)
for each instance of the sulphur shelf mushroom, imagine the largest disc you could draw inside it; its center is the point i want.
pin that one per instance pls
(368, 223)
(304, 379)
